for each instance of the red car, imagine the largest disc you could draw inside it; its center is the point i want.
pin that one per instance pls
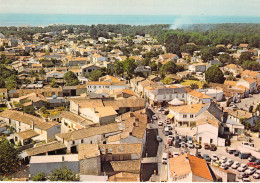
(169, 142)
(254, 164)
(170, 154)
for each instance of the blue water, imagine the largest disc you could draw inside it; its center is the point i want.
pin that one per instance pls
(47, 19)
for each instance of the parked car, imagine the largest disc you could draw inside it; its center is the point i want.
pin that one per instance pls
(168, 121)
(246, 179)
(183, 138)
(224, 166)
(206, 157)
(190, 138)
(197, 145)
(161, 109)
(170, 154)
(256, 175)
(255, 164)
(206, 146)
(177, 144)
(236, 153)
(164, 158)
(242, 168)
(190, 144)
(154, 117)
(252, 158)
(214, 157)
(169, 142)
(213, 147)
(198, 154)
(229, 162)
(244, 155)
(169, 127)
(250, 170)
(170, 137)
(183, 144)
(160, 123)
(223, 159)
(177, 137)
(235, 165)
(158, 138)
(175, 154)
(242, 175)
(231, 151)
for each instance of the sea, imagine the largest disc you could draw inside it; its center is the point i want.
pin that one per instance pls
(48, 19)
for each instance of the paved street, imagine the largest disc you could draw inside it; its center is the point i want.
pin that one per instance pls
(221, 151)
(247, 102)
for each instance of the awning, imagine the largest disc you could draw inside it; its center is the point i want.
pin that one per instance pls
(175, 102)
(170, 116)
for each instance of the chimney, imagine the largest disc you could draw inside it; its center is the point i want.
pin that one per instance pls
(63, 140)
(94, 110)
(78, 109)
(62, 158)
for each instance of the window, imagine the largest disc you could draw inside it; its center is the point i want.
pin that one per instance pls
(19, 123)
(191, 116)
(73, 142)
(184, 115)
(82, 141)
(182, 95)
(91, 142)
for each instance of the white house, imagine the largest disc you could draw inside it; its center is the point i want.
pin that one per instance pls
(195, 97)
(93, 86)
(249, 83)
(208, 129)
(213, 93)
(186, 115)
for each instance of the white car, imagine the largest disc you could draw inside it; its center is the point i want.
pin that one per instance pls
(170, 137)
(224, 166)
(242, 168)
(175, 154)
(164, 158)
(223, 159)
(214, 157)
(190, 144)
(229, 162)
(250, 170)
(235, 165)
(256, 175)
(246, 179)
(160, 123)
(154, 117)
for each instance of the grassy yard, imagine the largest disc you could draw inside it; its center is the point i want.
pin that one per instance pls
(189, 82)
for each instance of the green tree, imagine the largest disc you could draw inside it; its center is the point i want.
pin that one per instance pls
(39, 177)
(205, 85)
(166, 81)
(95, 75)
(70, 79)
(129, 66)
(54, 84)
(225, 58)
(169, 68)
(119, 68)
(214, 75)
(63, 174)
(12, 82)
(194, 86)
(153, 66)
(244, 57)
(208, 54)
(29, 110)
(8, 158)
(43, 109)
(42, 72)
(251, 65)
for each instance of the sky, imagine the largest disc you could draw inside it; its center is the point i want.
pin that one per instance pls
(134, 7)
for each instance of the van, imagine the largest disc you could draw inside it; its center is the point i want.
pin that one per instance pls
(244, 155)
(164, 158)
